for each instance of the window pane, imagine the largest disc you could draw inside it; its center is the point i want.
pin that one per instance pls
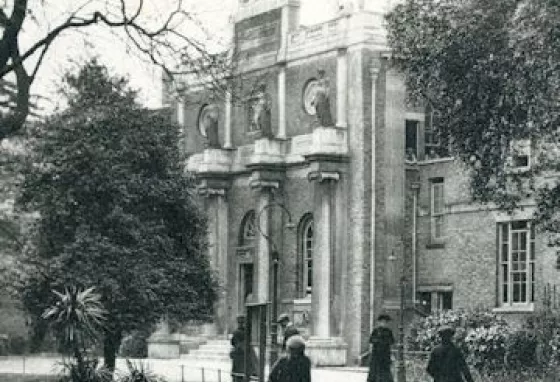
(516, 292)
(505, 292)
(505, 233)
(504, 252)
(522, 224)
(515, 241)
(523, 242)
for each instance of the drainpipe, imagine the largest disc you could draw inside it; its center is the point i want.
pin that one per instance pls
(415, 189)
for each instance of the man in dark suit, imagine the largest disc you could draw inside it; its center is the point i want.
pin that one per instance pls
(446, 362)
(288, 328)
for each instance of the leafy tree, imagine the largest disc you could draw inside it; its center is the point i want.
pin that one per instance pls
(491, 69)
(116, 212)
(171, 42)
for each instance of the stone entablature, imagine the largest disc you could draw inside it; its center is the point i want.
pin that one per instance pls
(250, 8)
(323, 141)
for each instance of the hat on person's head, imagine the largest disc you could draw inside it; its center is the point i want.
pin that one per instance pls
(446, 331)
(295, 342)
(384, 317)
(240, 317)
(283, 318)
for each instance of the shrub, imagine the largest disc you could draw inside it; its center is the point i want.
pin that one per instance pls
(521, 350)
(91, 372)
(481, 335)
(134, 345)
(17, 345)
(138, 372)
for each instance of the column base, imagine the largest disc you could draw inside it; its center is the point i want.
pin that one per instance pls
(332, 351)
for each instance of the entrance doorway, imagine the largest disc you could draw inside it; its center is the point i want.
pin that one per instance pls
(246, 272)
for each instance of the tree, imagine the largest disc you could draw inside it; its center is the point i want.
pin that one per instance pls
(172, 43)
(116, 212)
(491, 70)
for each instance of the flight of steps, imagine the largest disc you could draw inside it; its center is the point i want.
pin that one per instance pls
(212, 350)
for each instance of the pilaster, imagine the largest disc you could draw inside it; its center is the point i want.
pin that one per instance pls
(215, 192)
(341, 88)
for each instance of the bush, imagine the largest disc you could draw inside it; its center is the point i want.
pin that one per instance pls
(521, 350)
(134, 345)
(92, 372)
(17, 345)
(139, 373)
(481, 335)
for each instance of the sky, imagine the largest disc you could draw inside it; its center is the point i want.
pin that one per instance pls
(213, 19)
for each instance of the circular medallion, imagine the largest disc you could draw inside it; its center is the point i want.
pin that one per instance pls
(309, 95)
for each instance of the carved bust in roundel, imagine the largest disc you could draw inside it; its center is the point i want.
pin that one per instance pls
(208, 118)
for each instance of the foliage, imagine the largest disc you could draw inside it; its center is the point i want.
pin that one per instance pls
(481, 335)
(139, 372)
(521, 350)
(135, 345)
(77, 317)
(115, 211)
(90, 371)
(491, 70)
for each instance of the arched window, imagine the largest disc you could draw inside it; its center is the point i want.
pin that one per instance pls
(248, 229)
(306, 242)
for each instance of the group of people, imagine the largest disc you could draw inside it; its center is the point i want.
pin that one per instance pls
(446, 362)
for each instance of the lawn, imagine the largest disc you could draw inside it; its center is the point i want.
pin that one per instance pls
(27, 378)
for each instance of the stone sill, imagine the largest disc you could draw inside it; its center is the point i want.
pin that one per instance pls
(527, 308)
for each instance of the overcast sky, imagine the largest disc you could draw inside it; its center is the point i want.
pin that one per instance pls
(76, 46)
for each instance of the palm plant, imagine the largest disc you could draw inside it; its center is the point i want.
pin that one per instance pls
(77, 316)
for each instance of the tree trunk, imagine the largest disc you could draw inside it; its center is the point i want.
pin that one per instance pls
(111, 344)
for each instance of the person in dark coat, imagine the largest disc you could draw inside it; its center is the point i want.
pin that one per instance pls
(237, 353)
(293, 367)
(447, 363)
(288, 328)
(381, 340)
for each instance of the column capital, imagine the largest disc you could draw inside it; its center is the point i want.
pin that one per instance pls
(321, 176)
(259, 184)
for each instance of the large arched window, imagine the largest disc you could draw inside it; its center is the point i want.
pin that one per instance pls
(248, 230)
(306, 242)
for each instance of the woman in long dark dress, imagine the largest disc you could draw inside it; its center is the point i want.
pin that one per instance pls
(237, 354)
(381, 340)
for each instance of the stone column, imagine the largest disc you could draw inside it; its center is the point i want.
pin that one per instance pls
(227, 122)
(217, 208)
(281, 101)
(324, 253)
(264, 190)
(374, 71)
(341, 87)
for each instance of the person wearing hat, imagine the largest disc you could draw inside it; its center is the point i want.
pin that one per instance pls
(293, 367)
(288, 328)
(381, 340)
(446, 363)
(237, 353)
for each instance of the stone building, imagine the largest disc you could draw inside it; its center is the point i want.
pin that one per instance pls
(322, 161)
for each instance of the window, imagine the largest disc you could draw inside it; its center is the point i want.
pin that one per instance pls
(411, 140)
(516, 253)
(520, 158)
(306, 233)
(434, 146)
(437, 209)
(435, 301)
